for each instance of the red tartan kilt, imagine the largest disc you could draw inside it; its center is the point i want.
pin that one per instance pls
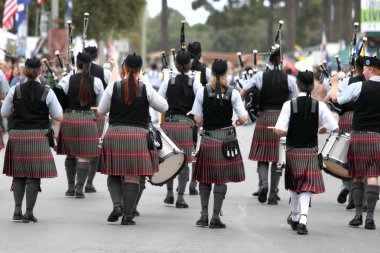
(78, 135)
(28, 154)
(302, 172)
(345, 122)
(181, 133)
(100, 120)
(265, 143)
(125, 152)
(1, 139)
(364, 154)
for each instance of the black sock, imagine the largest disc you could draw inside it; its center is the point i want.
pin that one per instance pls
(92, 171)
(193, 183)
(32, 189)
(371, 194)
(358, 195)
(262, 168)
(169, 187)
(274, 180)
(220, 191)
(18, 187)
(82, 172)
(141, 189)
(71, 171)
(183, 178)
(204, 190)
(130, 192)
(115, 188)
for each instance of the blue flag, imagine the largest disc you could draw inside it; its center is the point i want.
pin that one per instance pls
(20, 16)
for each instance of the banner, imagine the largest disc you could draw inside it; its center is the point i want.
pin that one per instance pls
(370, 16)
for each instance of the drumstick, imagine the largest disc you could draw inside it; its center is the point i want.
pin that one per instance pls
(271, 127)
(93, 108)
(188, 114)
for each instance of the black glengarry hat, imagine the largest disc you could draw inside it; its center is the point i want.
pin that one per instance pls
(219, 67)
(372, 62)
(306, 77)
(183, 57)
(84, 58)
(195, 49)
(93, 51)
(133, 61)
(33, 63)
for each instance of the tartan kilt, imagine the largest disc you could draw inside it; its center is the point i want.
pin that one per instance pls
(345, 122)
(125, 152)
(100, 119)
(211, 166)
(264, 147)
(1, 139)
(78, 135)
(364, 154)
(28, 154)
(302, 172)
(181, 133)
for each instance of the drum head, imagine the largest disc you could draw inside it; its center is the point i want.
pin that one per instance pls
(335, 170)
(170, 167)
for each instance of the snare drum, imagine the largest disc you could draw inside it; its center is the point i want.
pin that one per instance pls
(281, 153)
(334, 154)
(171, 161)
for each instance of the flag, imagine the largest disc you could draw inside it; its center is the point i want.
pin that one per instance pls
(20, 16)
(10, 9)
(69, 10)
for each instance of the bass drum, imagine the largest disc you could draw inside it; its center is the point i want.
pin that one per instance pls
(171, 161)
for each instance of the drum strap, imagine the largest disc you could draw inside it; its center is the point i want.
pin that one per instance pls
(295, 107)
(43, 97)
(226, 96)
(139, 93)
(18, 91)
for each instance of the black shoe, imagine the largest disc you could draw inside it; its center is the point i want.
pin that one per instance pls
(356, 221)
(216, 223)
(115, 214)
(79, 195)
(181, 204)
(193, 191)
(256, 193)
(301, 229)
(169, 200)
(272, 200)
(70, 193)
(127, 220)
(17, 216)
(89, 188)
(277, 197)
(342, 197)
(351, 205)
(370, 224)
(263, 194)
(29, 218)
(364, 209)
(293, 224)
(135, 213)
(202, 222)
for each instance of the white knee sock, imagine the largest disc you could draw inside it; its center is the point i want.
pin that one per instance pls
(294, 205)
(305, 198)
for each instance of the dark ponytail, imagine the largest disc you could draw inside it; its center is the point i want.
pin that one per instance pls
(85, 84)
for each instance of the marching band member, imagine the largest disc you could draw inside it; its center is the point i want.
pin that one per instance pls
(299, 120)
(214, 104)
(195, 50)
(125, 155)
(4, 88)
(275, 88)
(363, 153)
(78, 136)
(180, 93)
(28, 105)
(104, 75)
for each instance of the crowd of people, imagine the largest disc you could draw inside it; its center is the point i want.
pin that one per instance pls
(119, 107)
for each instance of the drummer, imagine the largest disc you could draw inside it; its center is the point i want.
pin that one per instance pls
(180, 91)
(299, 120)
(363, 154)
(125, 156)
(214, 105)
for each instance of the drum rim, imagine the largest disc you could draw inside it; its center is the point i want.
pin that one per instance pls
(328, 158)
(181, 167)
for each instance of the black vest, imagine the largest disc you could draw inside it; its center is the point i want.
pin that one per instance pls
(30, 113)
(180, 95)
(275, 91)
(73, 94)
(137, 114)
(366, 108)
(98, 72)
(303, 132)
(198, 66)
(350, 105)
(216, 115)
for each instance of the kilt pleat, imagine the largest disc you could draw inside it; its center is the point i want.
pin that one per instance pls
(100, 119)
(345, 122)
(28, 154)
(78, 135)
(364, 154)
(212, 167)
(125, 152)
(302, 172)
(265, 143)
(181, 133)
(1, 139)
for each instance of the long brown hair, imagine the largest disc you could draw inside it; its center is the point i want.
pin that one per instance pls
(85, 85)
(30, 73)
(127, 100)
